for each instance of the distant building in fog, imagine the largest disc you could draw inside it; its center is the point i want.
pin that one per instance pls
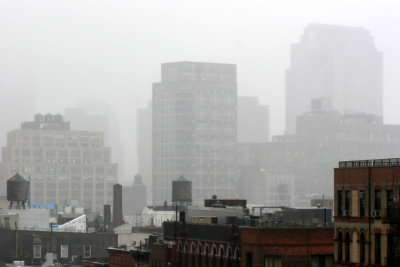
(134, 197)
(322, 139)
(99, 117)
(144, 146)
(61, 164)
(252, 120)
(194, 129)
(338, 65)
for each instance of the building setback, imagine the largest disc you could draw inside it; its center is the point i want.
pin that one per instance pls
(61, 164)
(339, 67)
(194, 129)
(367, 213)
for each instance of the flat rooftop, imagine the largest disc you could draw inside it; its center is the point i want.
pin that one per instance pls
(369, 163)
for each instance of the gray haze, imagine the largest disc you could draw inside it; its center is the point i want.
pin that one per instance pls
(55, 54)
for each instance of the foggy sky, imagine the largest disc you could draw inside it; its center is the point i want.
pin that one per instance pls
(59, 53)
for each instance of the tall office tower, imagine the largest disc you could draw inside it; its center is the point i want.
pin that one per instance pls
(340, 66)
(61, 164)
(252, 121)
(194, 129)
(144, 146)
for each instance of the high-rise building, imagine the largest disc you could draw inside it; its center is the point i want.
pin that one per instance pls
(61, 164)
(144, 146)
(252, 120)
(340, 66)
(194, 129)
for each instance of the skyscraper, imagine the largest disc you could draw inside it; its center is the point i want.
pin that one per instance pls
(194, 129)
(338, 66)
(61, 164)
(252, 120)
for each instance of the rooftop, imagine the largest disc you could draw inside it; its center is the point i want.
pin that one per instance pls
(369, 163)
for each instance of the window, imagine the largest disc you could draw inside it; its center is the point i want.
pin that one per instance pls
(87, 251)
(362, 248)
(377, 199)
(249, 259)
(340, 203)
(377, 248)
(272, 261)
(340, 246)
(347, 247)
(64, 251)
(37, 251)
(7, 223)
(362, 203)
(347, 199)
(389, 203)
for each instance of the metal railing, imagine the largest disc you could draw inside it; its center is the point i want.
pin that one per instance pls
(369, 163)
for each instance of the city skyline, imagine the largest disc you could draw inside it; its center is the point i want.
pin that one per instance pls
(119, 58)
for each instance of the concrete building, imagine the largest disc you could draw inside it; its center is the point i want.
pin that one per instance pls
(339, 67)
(61, 164)
(144, 147)
(194, 129)
(367, 213)
(253, 121)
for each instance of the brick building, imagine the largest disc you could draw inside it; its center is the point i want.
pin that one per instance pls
(367, 213)
(198, 245)
(127, 258)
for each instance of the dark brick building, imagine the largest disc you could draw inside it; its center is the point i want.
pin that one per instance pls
(367, 213)
(198, 245)
(128, 258)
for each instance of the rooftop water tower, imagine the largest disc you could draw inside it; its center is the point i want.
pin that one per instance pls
(182, 191)
(18, 191)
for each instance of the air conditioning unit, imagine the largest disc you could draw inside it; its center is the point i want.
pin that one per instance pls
(347, 213)
(376, 213)
(361, 194)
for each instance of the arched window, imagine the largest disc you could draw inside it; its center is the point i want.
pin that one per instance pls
(347, 247)
(206, 259)
(229, 259)
(340, 246)
(193, 255)
(362, 248)
(186, 256)
(214, 257)
(221, 256)
(179, 255)
(200, 257)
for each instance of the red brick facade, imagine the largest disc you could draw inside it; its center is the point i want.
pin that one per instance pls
(125, 258)
(294, 247)
(227, 246)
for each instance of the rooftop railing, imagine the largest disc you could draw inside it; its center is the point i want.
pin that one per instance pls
(369, 163)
